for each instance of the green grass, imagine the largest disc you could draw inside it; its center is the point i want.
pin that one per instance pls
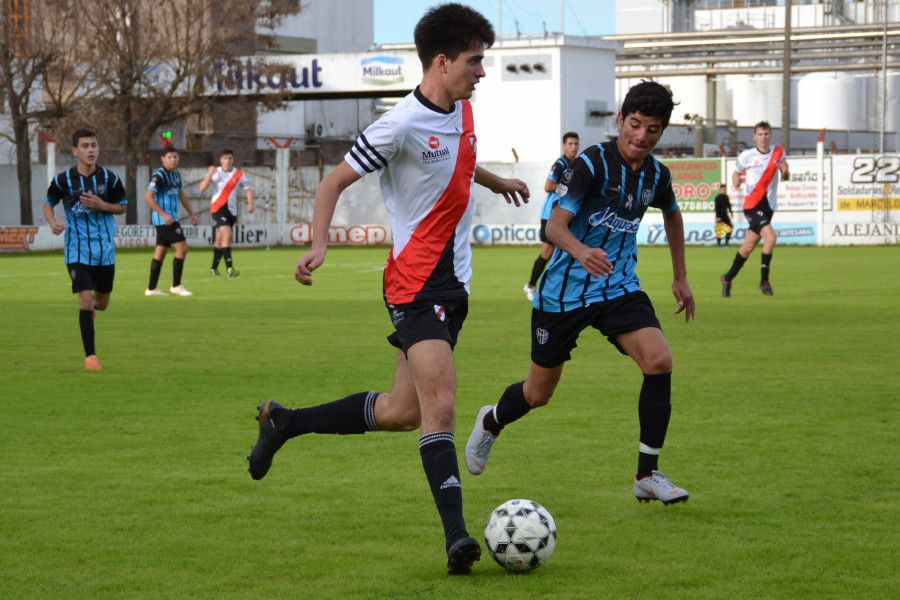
(131, 483)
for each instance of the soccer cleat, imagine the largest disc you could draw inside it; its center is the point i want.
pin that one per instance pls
(658, 487)
(154, 292)
(726, 286)
(529, 291)
(232, 272)
(268, 442)
(461, 554)
(766, 288)
(214, 272)
(92, 363)
(180, 291)
(478, 448)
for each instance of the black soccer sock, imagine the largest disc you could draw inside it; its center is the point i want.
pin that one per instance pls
(654, 410)
(442, 470)
(86, 321)
(155, 268)
(177, 268)
(764, 269)
(727, 238)
(353, 414)
(226, 252)
(539, 263)
(735, 266)
(217, 256)
(511, 407)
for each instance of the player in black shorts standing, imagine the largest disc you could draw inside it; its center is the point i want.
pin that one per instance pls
(724, 226)
(90, 195)
(163, 195)
(223, 207)
(570, 146)
(591, 282)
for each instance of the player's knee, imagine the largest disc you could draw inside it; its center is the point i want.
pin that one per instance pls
(400, 419)
(444, 415)
(537, 396)
(657, 362)
(101, 304)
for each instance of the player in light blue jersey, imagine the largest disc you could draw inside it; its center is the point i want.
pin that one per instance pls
(90, 195)
(163, 195)
(570, 146)
(591, 282)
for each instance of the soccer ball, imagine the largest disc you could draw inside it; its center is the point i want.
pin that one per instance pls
(520, 535)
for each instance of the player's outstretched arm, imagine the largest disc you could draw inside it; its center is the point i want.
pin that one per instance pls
(204, 183)
(594, 260)
(249, 196)
(50, 216)
(510, 189)
(327, 195)
(674, 225)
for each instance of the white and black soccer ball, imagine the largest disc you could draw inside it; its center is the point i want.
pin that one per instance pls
(520, 535)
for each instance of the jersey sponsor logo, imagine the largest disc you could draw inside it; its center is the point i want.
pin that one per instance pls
(647, 197)
(434, 142)
(608, 218)
(541, 335)
(435, 156)
(440, 312)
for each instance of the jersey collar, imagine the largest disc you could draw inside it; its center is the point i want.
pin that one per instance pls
(430, 105)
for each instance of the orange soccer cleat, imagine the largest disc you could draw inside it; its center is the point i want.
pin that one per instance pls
(92, 363)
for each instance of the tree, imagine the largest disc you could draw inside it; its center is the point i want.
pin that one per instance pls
(38, 80)
(153, 59)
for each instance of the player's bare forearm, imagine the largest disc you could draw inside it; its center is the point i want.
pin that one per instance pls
(327, 195)
(49, 215)
(116, 209)
(674, 225)
(511, 189)
(150, 199)
(594, 260)
(785, 170)
(550, 186)
(186, 203)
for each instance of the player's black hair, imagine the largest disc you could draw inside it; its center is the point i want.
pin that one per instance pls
(450, 29)
(167, 150)
(650, 99)
(82, 133)
(570, 134)
(762, 125)
(226, 151)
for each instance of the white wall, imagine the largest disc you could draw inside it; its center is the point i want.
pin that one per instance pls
(337, 25)
(641, 16)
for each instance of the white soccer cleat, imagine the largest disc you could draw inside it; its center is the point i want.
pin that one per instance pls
(154, 292)
(658, 487)
(478, 448)
(180, 291)
(529, 292)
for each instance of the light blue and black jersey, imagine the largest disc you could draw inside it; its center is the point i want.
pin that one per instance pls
(608, 200)
(90, 234)
(556, 172)
(166, 187)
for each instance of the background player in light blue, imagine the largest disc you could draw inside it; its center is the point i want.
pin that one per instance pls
(591, 282)
(570, 146)
(163, 194)
(91, 195)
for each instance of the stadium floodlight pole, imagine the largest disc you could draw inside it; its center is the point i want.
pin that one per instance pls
(884, 81)
(786, 81)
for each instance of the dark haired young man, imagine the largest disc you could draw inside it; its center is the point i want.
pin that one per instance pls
(591, 282)
(223, 207)
(424, 150)
(91, 195)
(163, 195)
(570, 145)
(763, 165)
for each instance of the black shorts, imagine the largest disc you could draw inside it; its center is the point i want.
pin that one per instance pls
(554, 335)
(427, 320)
(223, 216)
(98, 278)
(166, 235)
(759, 216)
(543, 233)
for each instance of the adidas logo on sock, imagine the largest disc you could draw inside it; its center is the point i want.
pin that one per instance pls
(452, 481)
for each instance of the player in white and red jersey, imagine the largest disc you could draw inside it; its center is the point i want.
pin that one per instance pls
(762, 166)
(424, 152)
(223, 207)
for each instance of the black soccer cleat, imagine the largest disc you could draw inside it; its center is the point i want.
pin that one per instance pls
(766, 288)
(726, 286)
(268, 442)
(461, 554)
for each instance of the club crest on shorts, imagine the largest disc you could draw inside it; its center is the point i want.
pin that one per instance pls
(72, 274)
(541, 335)
(440, 312)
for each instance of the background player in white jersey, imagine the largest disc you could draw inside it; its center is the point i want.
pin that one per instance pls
(163, 195)
(223, 207)
(424, 150)
(570, 146)
(763, 165)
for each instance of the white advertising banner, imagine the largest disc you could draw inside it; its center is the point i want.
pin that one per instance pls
(799, 193)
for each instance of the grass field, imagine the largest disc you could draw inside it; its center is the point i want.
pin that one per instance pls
(132, 483)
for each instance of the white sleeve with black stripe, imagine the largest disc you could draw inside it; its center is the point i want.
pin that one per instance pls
(373, 148)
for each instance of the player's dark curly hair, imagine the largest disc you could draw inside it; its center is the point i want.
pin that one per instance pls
(451, 29)
(650, 99)
(82, 133)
